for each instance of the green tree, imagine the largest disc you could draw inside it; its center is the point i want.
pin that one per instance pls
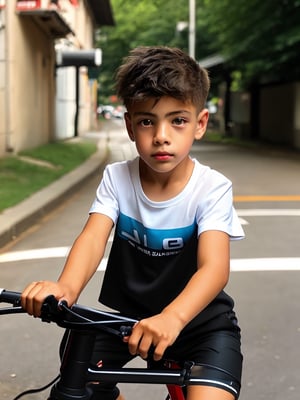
(141, 22)
(259, 38)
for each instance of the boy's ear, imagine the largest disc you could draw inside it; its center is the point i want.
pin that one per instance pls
(202, 121)
(129, 126)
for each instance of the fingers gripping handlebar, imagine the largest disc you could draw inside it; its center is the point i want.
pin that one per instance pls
(50, 311)
(82, 324)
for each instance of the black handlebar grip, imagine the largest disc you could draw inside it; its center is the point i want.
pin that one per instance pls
(6, 296)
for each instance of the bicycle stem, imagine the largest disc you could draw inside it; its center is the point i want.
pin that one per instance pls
(75, 362)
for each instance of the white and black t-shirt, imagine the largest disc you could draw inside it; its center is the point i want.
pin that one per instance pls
(154, 252)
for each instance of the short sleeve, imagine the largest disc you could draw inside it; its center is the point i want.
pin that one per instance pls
(106, 200)
(217, 211)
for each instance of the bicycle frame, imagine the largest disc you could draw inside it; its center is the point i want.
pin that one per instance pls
(75, 365)
(75, 370)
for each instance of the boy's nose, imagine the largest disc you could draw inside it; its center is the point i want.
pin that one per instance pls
(161, 134)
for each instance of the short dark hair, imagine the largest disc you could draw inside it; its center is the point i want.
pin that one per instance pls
(159, 71)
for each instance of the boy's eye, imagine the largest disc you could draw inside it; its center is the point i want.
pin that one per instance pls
(146, 122)
(179, 121)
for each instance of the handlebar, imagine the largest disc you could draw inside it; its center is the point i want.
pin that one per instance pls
(13, 298)
(82, 323)
(75, 317)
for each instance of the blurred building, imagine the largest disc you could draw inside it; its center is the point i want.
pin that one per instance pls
(46, 51)
(269, 111)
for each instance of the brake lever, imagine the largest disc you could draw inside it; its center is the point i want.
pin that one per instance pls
(52, 309)
(125, 330)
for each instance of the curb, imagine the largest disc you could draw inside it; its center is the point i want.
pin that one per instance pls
(15, 220)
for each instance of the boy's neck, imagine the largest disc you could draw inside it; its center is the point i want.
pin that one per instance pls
(165, 186)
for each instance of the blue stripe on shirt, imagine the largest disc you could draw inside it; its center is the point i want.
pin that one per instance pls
(158, 239)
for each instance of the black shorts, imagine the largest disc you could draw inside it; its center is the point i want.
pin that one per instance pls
(214, 349)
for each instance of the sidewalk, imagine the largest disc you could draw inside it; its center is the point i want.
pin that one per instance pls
(113, 145)
(17, 219)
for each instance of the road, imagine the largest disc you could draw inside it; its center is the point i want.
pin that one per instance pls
(264, 280)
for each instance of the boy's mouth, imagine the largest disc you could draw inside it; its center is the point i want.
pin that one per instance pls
(162, 156)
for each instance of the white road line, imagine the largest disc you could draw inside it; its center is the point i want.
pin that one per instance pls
(265, 264)
(268, 212)
(35, 254)
(251, 264)
(246, 265)
(243, 221)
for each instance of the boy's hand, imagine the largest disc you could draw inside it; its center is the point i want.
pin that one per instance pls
(34, 295)
(159, 331)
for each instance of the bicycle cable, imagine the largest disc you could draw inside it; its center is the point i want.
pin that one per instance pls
(41, 389)
(81, 321)
(38, 390)
(86, 322)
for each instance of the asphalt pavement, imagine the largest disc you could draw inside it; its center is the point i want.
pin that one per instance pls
(17, 219)
(265, 267)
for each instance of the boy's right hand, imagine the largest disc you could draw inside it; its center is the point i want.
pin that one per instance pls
(34, 295)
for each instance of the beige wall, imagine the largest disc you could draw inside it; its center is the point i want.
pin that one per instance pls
(34, 88)
(2, 83)
(28, 81)
(28, 94)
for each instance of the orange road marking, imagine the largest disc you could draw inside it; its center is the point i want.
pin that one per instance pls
(267, 198)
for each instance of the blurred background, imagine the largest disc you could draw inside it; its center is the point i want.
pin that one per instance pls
(58, 105)
(58, 59)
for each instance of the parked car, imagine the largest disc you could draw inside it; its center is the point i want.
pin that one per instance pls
(118, 112)
(106, 111)
(109, 111)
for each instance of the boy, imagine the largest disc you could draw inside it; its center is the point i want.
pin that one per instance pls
(173, 221)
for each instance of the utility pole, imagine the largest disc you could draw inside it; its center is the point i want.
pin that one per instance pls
(192, 27)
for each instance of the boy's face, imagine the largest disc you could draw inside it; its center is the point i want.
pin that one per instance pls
(164, 131)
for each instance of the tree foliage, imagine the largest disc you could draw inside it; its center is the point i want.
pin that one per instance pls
(260, 38)
(143, 23)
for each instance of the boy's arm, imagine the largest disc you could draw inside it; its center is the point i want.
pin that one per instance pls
(82, 262)
(211, 277)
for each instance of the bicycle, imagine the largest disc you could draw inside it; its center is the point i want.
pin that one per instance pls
(81, 324)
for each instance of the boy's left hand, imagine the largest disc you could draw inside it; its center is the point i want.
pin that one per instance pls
(158, 332)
